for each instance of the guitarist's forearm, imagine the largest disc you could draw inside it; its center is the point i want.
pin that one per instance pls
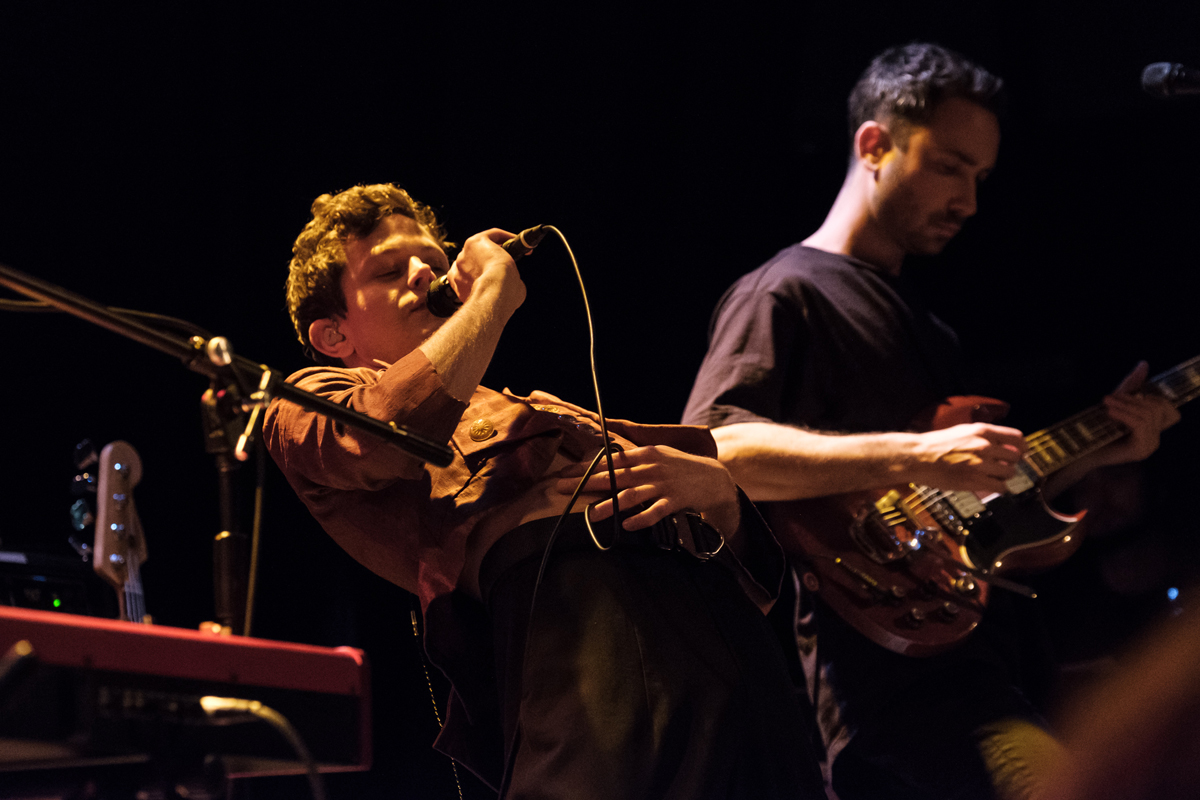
(779, 462)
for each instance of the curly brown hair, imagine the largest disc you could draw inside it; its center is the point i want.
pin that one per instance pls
(314, 284)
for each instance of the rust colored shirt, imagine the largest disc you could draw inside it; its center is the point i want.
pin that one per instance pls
(425, 528)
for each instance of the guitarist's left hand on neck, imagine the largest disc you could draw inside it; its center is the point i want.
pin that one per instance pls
(1146, 415)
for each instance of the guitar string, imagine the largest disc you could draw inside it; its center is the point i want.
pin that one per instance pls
(135, 607)
(1182, 381)
(1043, 442)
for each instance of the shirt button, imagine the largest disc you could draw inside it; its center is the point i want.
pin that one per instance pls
(481, 429)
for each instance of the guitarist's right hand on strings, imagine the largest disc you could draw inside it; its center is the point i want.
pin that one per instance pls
(976, 457)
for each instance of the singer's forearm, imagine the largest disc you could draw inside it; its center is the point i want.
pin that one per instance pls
(461, 349)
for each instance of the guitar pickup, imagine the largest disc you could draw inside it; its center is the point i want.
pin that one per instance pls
(966, 504)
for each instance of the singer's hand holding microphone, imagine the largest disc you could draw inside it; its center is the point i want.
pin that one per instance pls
(478, 254)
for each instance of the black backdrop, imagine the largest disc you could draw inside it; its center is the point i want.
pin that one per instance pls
(164, 158)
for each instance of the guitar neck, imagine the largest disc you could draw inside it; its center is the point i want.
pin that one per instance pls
(1083, 434)
(135, 600)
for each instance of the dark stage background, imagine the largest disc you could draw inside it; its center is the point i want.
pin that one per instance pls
(164, 158)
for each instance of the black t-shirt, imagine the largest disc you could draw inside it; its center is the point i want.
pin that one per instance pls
(826, 342)
(830, 343)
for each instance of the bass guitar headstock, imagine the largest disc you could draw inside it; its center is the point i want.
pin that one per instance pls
(119, 548)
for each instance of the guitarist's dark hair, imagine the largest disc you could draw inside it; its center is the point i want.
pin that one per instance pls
(904, 85)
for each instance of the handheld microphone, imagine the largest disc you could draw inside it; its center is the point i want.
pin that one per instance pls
(523, 243)
(1165, 80)
(441, 300)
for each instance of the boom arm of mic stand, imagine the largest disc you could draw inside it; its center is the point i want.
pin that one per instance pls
(193, 353)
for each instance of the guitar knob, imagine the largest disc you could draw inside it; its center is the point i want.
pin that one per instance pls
(116, 558)
(966, 585)
(915, 618)
(949, 611)
(897, 593)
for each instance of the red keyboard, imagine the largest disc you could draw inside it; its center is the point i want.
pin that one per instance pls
(102, 692)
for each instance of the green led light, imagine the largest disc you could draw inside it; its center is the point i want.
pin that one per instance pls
(57, 602)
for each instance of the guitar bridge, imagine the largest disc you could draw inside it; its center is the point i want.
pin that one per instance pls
(881, 533)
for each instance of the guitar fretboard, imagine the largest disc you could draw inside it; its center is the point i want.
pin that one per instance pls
(1056, 447)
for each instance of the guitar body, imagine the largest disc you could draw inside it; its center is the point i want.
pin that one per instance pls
(1016, 532)
(901, 585)
(903, 565)
(1021, 533)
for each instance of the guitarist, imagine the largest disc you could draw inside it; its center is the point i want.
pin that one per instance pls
(828, 336)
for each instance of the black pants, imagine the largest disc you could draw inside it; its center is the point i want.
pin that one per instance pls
(935, 728)
(649, 674)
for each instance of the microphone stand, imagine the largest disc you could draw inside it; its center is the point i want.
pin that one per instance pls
(224, 422)
(237, 386)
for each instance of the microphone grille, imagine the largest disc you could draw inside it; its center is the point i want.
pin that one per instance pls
(1158, 77)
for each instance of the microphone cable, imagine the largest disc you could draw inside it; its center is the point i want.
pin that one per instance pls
(438, 295)
(162, 321)
(606, 451)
